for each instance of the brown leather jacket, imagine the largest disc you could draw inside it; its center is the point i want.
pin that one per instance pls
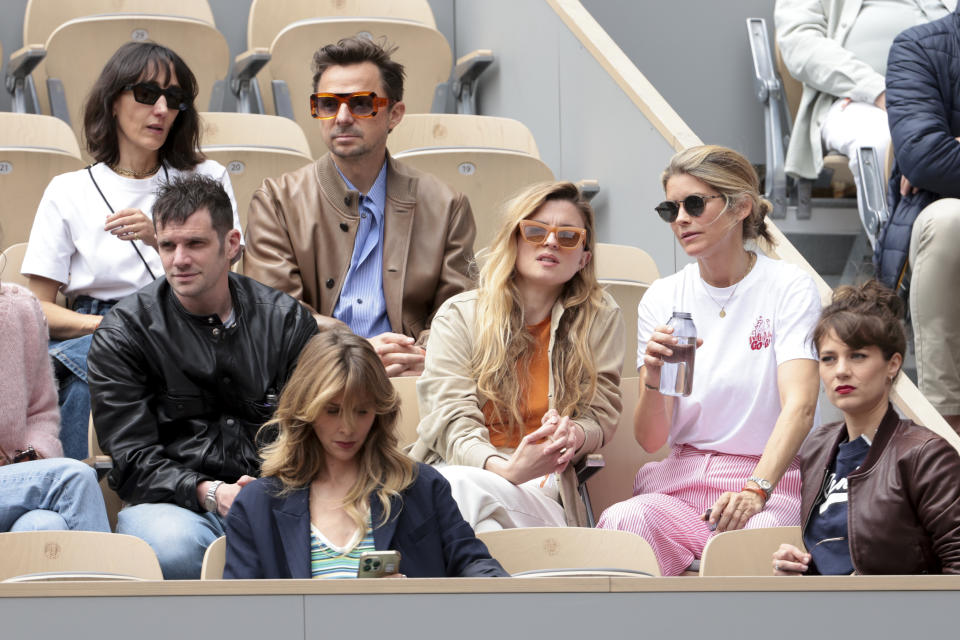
(904, 500)
(301, 229)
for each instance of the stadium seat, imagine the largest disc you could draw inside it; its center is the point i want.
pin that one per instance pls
(747, 552)
(623, 455)
(418, 131)
(487, 158)
(33, 149)
(421, 49)
(628, 294)
(102, 464)
(624, 262)
(75, 555)
(252, 147)
(488, 177)
(10, 261)
(71, 64)
(267, 18)
(213, 560)
(570, 551)
(251, 83)
(406, 387)
(42, 17)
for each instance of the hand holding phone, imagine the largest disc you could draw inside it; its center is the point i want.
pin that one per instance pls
(377, 564)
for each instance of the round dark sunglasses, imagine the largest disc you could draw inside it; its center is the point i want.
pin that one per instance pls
(693, 205)
(150, 92)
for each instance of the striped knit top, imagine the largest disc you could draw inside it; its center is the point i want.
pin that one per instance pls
(327, 560)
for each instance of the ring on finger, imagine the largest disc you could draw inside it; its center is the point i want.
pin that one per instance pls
(776, 566)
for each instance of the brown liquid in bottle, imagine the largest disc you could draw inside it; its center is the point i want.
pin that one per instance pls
(677, 371)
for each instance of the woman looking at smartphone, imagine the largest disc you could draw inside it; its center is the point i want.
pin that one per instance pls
(880, 494)
(522, 375)
(734, 438)
(92, 237)
(335, 485)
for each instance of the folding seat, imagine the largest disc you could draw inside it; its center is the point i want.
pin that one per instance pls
(252, 147)
(747, 552)
(624, 262)
(409, 409)
(33, 149)
(622, 455)
(213, 560)
(287, 34)
(75, 555)
(571, 551)
(488, 159)
(67, 44)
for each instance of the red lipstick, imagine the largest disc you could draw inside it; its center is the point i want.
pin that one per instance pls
(844, 389)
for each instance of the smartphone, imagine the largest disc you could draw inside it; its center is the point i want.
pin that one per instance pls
(376, 564)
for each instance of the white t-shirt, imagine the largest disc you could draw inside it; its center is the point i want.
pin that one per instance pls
(770, 319)
(68, 243)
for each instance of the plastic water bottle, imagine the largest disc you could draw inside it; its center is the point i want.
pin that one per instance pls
(676, 374)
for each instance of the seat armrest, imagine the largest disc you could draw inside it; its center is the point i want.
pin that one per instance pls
(465, 76)
(872, 193)
(101, 464)
(589, 188)
(243, 82)
(19, 81)
(769, 91)
(589, 465)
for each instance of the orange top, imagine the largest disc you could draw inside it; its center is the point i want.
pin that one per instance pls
(538, 387)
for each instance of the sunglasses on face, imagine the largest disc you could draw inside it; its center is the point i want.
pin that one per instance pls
(150, 92)
(361, 104)
(693, 205)
(537, 233)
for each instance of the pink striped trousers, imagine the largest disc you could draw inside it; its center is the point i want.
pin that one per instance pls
(670, 496)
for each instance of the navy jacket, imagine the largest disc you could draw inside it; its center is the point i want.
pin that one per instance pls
(923, 106)
(269, 536)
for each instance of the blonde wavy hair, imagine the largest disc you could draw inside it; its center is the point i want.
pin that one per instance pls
(504, 346)
(337, 362)
(730, 174)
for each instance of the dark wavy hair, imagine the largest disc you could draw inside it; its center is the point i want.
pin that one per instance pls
(357, 49)
(137, 62)
(864, 316)
(180, 198)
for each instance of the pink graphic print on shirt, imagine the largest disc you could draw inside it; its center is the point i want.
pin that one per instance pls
(762, 334)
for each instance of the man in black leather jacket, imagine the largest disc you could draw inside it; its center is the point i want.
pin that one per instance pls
(184, 372)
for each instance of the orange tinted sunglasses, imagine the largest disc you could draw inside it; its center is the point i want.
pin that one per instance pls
(361, 104)
(537, 233)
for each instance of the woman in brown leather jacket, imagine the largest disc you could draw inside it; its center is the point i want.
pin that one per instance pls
(880, 494)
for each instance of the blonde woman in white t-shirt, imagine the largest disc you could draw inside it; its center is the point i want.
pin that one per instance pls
(734, 439)
(93, 237)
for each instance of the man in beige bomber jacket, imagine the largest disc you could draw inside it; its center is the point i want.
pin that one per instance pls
(357, 237)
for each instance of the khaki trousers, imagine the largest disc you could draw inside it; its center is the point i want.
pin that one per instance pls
(935, 302)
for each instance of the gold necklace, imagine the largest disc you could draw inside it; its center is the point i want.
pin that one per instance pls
(750, 262)
(129, 173)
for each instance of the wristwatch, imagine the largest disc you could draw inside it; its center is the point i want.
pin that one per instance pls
(763, 484)
(210, 501)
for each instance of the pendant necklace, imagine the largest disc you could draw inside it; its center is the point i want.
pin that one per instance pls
(723, 313)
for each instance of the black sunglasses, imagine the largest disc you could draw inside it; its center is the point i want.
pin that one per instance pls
(693, 205)
(150, 92)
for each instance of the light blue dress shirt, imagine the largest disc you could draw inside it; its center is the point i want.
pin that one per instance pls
(361, 305)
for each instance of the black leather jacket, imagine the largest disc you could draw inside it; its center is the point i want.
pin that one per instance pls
(177, 399)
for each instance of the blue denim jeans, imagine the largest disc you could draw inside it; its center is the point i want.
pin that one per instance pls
(178, 536)
(70, 364)
(51, 494)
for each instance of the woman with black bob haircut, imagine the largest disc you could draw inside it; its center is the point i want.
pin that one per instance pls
(880, 494)
(142, 127)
